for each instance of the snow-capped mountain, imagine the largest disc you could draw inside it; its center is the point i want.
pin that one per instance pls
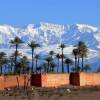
(49, 36)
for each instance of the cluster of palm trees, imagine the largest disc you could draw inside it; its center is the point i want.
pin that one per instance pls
(21, 64)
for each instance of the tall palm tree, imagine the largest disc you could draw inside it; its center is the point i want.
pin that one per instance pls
(87, 67)
(6, 61)
(68, 62)
(58, 57)
(37, 57)
(33, 45)
(16, 42)
(11, 62)
(75, 53)
(82, 52)
(48, 60)
(44, 67)
(53, 65)
(24, 63)
(62, 46)
(51, 53)
(2, 57)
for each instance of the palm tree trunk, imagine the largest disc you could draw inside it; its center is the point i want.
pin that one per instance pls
(48, 67)
(5, 69)
(36, 65)
(62, 62)
(67, 68)
(75, 63)
(1, 69)
(78, 61)
(16, 58)
(32, 60)
(82, 64)
(58, 66)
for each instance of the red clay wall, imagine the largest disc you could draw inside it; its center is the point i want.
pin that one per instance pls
(55, 80)
(50, 80)
(36, 80)
(92, 79)
(1, 83)
(85, 79)
(13, 81)
(74, 79)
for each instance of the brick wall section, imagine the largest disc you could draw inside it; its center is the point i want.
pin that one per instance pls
(1, 83)
(36, 80)
(55, 80)
(75, 79)
(85, 79)
(50, 80)
(92, 79)
(13, 81)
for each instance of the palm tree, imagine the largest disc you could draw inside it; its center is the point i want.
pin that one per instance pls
(24, 63)
(2, 57)
(11, 62)
(16, 42)
(58, 57)
(48, 60)
(37, 57)
(44, 67)
(82, 52)
(39, 69)
(68, 62)
(33, 45)
(62, 46)
(51, 53)
(52, 64)
(5, 62)
(75, 53)
(87, 67)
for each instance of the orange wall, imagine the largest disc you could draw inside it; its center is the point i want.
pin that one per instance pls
(85, 79)
(55, 80)
(50, 80)
(92, 79)
(13, 81)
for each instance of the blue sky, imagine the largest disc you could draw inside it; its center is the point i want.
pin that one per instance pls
(22, 12)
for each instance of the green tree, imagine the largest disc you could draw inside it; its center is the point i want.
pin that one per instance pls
(68, 62)
(48, 60)
(53, 65)
(82, 52)
(58, 57)
(87, 67)
(2, 58)
(33, 45)
(5, 63)
(16, 42)
(37, 57)
(75, 53)
(51, 53)
(24, 63)
(62, 46)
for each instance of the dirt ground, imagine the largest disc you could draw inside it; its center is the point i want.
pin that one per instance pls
(64, 93)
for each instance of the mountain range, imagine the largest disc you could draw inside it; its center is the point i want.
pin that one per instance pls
(49, 36)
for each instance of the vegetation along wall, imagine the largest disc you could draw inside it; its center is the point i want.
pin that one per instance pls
(14, 81)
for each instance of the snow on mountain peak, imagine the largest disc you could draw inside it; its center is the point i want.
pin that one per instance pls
(53, 28)
(7, 29)
(86, 28)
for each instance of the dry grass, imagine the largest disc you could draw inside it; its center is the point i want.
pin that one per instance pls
(62, 93)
